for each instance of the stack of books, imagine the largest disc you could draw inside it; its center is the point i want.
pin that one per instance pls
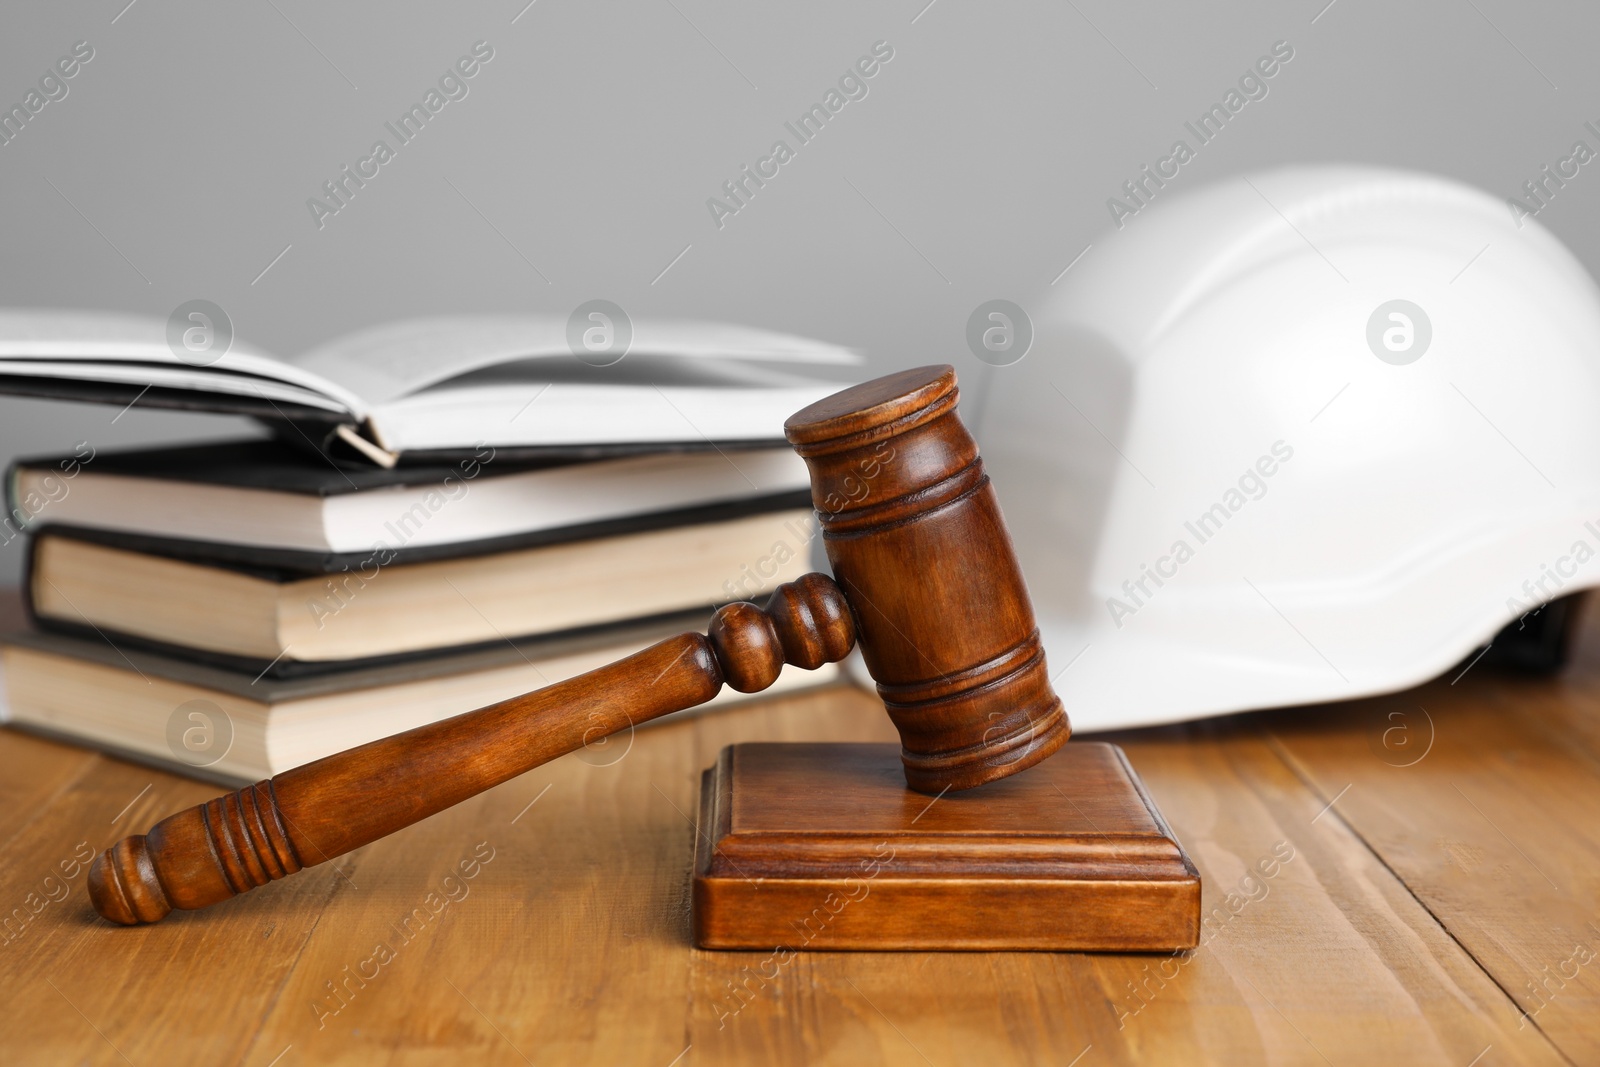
(445, 514)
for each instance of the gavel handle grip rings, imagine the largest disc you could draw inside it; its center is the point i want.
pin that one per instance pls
(325, 809)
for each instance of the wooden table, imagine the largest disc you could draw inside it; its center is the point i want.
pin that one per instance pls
(1443, 860)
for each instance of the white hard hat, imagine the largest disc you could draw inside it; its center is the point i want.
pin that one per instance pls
(1300, 436)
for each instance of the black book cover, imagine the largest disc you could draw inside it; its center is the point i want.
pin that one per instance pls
(183, 666)
(274, 466)
(298, 465)
(290, 564)
(271, 464)
(286, 566)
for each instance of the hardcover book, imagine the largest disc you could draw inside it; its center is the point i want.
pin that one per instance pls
(441, 386)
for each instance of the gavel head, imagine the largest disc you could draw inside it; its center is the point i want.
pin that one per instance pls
(917, 543)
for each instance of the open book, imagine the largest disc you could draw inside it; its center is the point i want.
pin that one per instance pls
(442, 386)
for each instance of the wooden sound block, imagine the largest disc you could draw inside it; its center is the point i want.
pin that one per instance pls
(822, 846)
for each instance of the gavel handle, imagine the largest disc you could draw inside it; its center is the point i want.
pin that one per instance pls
(324, 809)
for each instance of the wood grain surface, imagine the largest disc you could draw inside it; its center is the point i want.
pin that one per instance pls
(1397, 921)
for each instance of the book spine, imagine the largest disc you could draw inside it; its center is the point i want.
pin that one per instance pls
(10, 526)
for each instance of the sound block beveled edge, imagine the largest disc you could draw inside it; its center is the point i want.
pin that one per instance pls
(822, 847)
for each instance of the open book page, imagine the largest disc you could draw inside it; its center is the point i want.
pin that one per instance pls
(187, 379)
(387, 362)
(438, 384)
(562, 414)
(134, 350)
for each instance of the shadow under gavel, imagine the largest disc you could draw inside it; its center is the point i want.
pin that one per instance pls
(927, 584)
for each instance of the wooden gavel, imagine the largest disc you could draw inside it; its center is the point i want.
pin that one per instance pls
(927, 584)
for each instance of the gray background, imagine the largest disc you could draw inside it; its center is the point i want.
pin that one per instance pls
(977, 167)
